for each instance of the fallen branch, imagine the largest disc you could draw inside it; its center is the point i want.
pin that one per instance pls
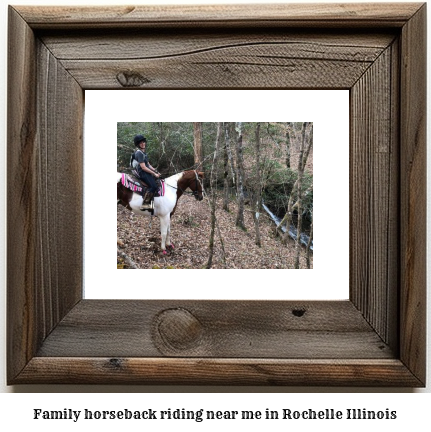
(130, 263)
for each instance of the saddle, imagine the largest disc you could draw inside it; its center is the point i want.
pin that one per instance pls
(140, 184)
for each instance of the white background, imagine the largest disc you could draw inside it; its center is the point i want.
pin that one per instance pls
(16, 409)
(329, 279)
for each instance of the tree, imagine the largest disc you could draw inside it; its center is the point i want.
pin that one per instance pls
(297, 194)
(288, 132)
(310, 239)
(302, 160)
(212, 200)
(226, 153)
(197, 134)
(240, 177)
(257, 192)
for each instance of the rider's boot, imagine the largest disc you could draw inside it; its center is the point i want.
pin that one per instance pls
(148, 203)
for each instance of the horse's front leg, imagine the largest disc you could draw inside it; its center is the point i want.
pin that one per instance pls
(164, 229)
(169, 244)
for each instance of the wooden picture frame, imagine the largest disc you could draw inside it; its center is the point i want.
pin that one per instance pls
(376, 338)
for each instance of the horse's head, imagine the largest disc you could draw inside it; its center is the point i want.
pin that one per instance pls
(195, 184)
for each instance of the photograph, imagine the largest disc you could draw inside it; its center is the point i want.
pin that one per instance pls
(223, 195)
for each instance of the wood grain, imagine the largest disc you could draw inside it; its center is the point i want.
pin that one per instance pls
(193, 59)
(59, 183)
(267, 15)
(374, 195)
(21, 199)
(45, 193)
(227, 329)
(413, 194)
(376, 338)
(196, 371)
(138, 45)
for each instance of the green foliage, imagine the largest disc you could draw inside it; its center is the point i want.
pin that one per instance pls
(307, 197)
(279, 187)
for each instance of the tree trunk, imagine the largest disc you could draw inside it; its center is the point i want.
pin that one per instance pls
(309, 144)
(307, 249)
(287, 220)
(230, 135)
(197, 138)
(303, 154)
(162, 138)
(226, 168)
(257, 193)
(288, 140)
(213, 197)
(240, 179)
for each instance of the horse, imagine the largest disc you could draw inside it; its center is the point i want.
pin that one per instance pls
(164, 206)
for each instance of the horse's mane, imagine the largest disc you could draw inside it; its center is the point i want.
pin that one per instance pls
(174, 178)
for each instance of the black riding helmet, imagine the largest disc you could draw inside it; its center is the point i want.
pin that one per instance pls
(138, 139)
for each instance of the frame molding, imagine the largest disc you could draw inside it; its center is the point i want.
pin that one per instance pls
(376, 338)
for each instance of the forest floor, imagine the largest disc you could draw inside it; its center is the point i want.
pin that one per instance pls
(190, 232)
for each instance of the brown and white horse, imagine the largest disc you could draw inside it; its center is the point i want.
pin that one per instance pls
(164, 206)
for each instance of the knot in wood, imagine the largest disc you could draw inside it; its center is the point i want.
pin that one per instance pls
(131, 79)
(115, 363)
(178, 329)
(298, 312)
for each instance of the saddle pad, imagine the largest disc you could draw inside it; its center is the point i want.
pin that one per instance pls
(127, 182)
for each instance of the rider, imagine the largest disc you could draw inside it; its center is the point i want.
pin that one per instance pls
(146, 172)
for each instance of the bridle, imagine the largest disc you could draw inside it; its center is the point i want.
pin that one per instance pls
(195, 193)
